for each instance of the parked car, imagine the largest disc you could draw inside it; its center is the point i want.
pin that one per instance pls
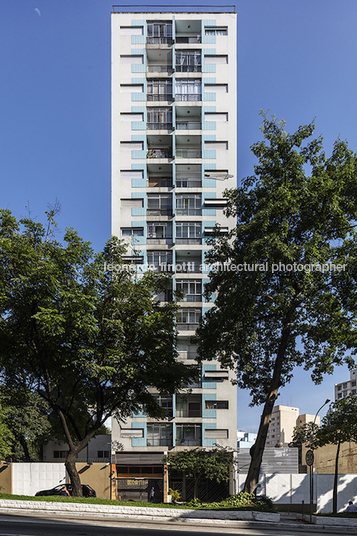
(86, 490)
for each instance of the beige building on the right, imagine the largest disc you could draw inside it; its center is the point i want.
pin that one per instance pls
(283, 421)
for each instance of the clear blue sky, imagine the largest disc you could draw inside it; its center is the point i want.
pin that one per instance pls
(296, 59)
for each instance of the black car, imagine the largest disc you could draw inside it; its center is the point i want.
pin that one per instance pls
(86, 490)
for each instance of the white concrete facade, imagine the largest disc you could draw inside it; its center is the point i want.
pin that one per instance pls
(174, 152)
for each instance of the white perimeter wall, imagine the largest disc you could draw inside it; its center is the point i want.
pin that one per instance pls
(295, 488)
(28, 478)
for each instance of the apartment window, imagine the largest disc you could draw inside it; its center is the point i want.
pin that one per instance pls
(216, 31)
(132, 231)
(160, 260)
(339, 395)
(188, 61)
(188, 232)
(188, 435)
(189, 204)
(216, 404)
(159, 89)
(188, 90)
(159, 118)
(345, 385)
(190, 288)
(189, 318)
(188, 176)
(159, 32)
(339, 387)
(353, 391)
(102, 453)
(165, 403)
(159, 230)
(353, 384)
(159, 204)
(159, 434)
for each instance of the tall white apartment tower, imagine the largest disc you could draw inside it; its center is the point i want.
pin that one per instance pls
(174, 152)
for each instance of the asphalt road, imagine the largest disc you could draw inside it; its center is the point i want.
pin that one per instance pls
(26, 525)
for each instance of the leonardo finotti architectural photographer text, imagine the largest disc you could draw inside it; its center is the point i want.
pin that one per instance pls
(191, 267)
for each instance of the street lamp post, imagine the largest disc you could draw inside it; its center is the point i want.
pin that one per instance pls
(312, 464)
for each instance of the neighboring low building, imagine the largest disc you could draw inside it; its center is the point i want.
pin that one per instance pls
(346, 388)
(325, 458)
(97, 450)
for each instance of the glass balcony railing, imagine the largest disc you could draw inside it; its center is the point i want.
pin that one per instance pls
(159, 211)
(160, 152)
(158, 182)
(188, 182)
(186, 326)
(192, 298)
(188, 39)
(159, 40)
(159, 96)
(188, 97)
(188, 125)
(188, 442)
(188, 241)
(159, 126)
(188, 153)
(184, 412)
(159, 68)
(188, 68)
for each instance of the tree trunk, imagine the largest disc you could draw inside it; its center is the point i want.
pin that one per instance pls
(257, 450)
(335, 480)
(74, 477)
(195, 485)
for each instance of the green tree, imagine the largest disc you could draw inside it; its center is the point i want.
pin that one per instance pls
(214, 464)
(80, 331)
(27, 416)
(279, 305)
(303, 434)
(338, 425)
(6, 438)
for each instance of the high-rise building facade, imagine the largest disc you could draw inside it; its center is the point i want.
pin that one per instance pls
(348, 387)
(174, 152)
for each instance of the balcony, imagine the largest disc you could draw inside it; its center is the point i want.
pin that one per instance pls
(188, 68)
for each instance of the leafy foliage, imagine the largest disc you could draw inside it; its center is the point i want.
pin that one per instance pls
(281, 306)
(305, 433)
(214, 464)
(88, 340)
